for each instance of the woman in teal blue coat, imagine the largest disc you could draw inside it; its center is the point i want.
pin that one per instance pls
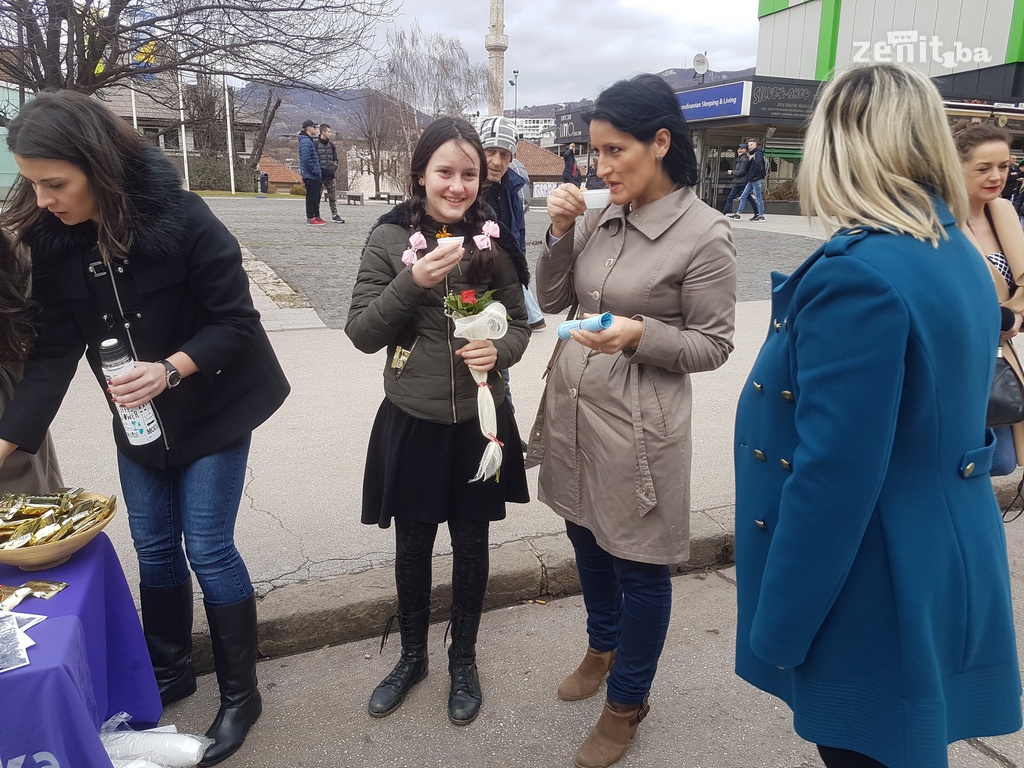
(874, 593)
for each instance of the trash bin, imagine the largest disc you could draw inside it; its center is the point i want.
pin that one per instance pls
(264, 182)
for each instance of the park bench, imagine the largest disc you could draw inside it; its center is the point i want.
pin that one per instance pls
(351, 198)
(395, 197)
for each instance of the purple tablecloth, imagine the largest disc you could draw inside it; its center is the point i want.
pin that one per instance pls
(89, 663)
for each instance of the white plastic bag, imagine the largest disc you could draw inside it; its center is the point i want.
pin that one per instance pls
(145, 749)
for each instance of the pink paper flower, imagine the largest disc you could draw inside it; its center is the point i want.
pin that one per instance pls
(489, 230)
(416, 242)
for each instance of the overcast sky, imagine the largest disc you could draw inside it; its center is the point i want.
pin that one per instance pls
(566, 50)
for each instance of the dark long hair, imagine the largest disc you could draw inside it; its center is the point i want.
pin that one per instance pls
(439, 132)
(69, 126)
(643, 105)
(969, 137)
(16, 310)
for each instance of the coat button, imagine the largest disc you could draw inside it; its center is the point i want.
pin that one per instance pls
(776, 325)
(787, 396)
(786, 465)
(609, 262)
(761, 524)
(759, 455)
(758, 387)
(969, 470)
(572, 392)
(595, 295)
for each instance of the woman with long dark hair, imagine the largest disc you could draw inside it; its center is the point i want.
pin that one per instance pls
(120, 251)
(614, 450)
(426, 441)
(23, 472)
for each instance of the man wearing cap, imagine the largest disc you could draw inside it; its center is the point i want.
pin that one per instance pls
(309, 169)
(739, 174)
(503, 192)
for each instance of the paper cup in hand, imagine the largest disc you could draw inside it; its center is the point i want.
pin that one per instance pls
(445, 240)
(597, 198)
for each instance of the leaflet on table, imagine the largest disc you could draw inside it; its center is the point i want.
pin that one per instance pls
(12, 653)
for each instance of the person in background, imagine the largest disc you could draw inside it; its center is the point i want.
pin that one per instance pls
(614, 444)
(309, 169)
(739, 173)
(22, 472)
(120, 251)
(569, 159)
(994, 228)
(503, 193)
(593, 180)
(755, 178)
(328, 156)
(425, 444)
(873, 587)
(1013, 179)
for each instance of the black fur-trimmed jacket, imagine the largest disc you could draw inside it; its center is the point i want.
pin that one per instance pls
(390, 310)
(182, 287)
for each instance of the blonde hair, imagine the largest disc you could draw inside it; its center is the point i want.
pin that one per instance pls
(877, 148)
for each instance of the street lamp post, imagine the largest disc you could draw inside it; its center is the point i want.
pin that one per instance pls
(515, 111)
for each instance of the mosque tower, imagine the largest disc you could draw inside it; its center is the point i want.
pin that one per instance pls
(496, 43)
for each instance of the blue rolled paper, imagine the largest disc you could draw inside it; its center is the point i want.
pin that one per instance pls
(595, 323)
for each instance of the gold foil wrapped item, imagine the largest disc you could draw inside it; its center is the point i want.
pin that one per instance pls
(44, 588)
(26, 520)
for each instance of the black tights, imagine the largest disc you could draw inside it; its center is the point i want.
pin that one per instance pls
(414, 545)
(844, 758)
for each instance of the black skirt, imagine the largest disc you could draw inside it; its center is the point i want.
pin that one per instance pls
(420, 470)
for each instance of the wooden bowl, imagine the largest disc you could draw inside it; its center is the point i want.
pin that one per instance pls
(42, 556)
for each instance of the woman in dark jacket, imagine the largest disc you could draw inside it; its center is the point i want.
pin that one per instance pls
(120, 251)
(426, 441)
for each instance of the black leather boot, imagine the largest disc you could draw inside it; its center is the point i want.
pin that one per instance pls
(233, 636)
(167, 624)
(411, 667)
(465, 697)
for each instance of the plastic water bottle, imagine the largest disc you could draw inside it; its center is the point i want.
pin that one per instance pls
(140, 423)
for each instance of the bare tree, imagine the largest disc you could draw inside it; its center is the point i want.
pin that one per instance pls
(86, 45)
(376, 127)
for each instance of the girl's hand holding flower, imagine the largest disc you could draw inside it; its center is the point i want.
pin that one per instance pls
(479, 355)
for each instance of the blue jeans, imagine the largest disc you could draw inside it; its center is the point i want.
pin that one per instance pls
(755, 188)
(1004, 458)
(199, 501)
(733, 191)
(628, 608)
(533, 313)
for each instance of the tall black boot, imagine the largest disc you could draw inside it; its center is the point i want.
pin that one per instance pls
(233, 636)
(411, 667)
(465, 696)
(167, 624)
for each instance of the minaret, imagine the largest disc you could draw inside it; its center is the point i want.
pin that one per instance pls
(496, 43)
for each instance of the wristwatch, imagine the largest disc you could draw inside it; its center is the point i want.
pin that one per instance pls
(173, 377)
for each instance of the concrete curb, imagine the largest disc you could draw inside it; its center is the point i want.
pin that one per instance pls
(302, 617)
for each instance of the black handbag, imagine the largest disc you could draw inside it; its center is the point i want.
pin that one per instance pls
(1006, 401)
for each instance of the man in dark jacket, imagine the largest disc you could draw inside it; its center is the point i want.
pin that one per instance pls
(569, 158)
(309, 169)
(503, 192)
(740, 171)
(328, 155)
(758, 170)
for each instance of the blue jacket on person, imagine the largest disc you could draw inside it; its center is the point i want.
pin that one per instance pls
(309, 158)
(511, 186)
(873, 584)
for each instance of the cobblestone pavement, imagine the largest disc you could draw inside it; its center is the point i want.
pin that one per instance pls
(320, 263)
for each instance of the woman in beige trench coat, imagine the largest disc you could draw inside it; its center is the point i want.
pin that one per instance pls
(615, 443)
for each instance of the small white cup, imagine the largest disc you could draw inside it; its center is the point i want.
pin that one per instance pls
(445, 240)
(597, 198)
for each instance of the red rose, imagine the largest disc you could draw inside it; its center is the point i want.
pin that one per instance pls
(469, 297)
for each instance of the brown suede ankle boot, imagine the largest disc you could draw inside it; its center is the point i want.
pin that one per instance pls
(584, 682)
(611, 736)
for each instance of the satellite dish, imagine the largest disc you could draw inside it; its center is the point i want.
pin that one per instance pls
(700, 63)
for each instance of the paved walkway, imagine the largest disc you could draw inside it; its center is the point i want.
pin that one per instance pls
(324, 579)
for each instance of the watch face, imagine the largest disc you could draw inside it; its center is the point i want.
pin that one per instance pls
(173, 377)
